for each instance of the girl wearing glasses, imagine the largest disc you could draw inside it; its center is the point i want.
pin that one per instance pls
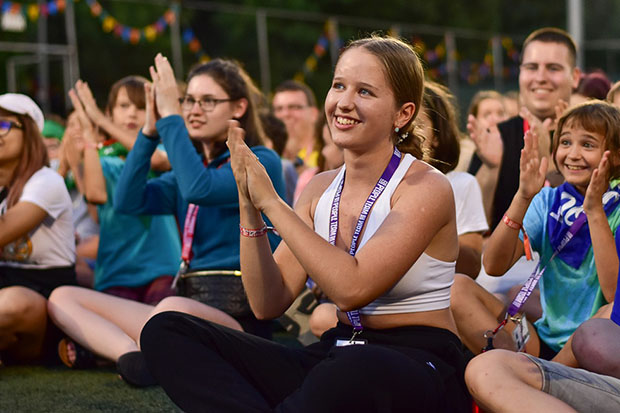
(37, 248)
(216, 92)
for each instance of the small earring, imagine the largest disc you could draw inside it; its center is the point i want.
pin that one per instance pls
(396, 130)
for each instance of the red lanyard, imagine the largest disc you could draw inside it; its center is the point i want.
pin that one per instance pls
(188, 232)
(526, 126)
(188, 239)
(188, 236)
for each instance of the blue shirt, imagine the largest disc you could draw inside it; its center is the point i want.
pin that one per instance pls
(568, 296)
(213, 188)
(133, 250)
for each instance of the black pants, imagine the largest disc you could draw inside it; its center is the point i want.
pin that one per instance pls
(204, 367)
(42, 281)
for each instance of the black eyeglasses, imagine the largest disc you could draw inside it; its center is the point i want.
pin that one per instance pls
(206, 104)
(6, 125)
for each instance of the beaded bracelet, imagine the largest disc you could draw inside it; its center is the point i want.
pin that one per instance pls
(255, 233)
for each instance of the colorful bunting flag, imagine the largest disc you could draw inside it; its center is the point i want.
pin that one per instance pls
(190, 39)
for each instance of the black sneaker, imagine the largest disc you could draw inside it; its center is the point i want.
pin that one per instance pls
(132, 368)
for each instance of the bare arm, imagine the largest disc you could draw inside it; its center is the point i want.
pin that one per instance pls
(269, 292)
(487, 180)
(18, 220)
(63, 164)
(350, 281)
(88, 248)
(504, 246)
(73, 154)
(603, 243)
(490, 149)
(159, 160)
(470, 251)
(93, 179)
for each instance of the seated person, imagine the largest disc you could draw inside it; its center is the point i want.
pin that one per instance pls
(488, 108)
(500, 380)
(439, 128)
(137, 256)
(397, 345)
(294, 104)
(580, 278)
(613, 96)
(37, 248)
(548, 58)
(217, 91)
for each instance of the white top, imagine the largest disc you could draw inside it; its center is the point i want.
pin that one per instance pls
(468, 202)
(425, 286)
(51, 243)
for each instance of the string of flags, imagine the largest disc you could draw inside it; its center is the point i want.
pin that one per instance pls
(33, 11)
(131, 34)
(321, 46)
(109, 23)
(192, 42)
(469, 71)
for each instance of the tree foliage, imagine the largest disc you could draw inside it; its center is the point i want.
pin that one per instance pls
(104, 58)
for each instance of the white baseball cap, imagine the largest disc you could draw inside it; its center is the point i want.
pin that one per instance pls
(23, 105)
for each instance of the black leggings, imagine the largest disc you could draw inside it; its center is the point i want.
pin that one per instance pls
(42, 281)
(206, 367)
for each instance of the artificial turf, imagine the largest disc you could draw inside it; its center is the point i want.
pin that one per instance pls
(59, 389)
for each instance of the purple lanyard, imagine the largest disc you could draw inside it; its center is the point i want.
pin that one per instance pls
(531, 282)
(354, 316)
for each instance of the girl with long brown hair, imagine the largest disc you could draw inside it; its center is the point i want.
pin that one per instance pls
(395, 346)
(37, 251)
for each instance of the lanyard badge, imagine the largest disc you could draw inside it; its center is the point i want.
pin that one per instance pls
(354, 316)
(521, 333)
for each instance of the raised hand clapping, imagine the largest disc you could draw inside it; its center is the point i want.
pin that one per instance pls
(533, 167)
(166, 90)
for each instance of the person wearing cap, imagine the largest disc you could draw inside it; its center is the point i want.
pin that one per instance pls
(52, 137)
(37, 246)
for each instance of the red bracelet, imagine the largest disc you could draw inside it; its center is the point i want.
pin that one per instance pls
(526, 240)
(512, 224)
(255, 233)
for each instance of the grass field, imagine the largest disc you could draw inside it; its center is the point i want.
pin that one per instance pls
(58, 389)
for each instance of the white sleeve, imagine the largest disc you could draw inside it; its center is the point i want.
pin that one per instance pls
(469, 208)
(47, 190)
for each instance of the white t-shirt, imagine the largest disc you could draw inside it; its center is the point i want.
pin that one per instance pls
(468, 201)
(51, 243)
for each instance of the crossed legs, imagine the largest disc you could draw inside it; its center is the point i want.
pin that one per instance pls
(110, 326)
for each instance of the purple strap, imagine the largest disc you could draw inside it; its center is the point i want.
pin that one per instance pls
(354, 316)
(531, 282)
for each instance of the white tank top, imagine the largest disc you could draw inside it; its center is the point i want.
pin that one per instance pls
(425, 286)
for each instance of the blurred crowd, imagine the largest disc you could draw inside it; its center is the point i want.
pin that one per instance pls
(130, 209)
